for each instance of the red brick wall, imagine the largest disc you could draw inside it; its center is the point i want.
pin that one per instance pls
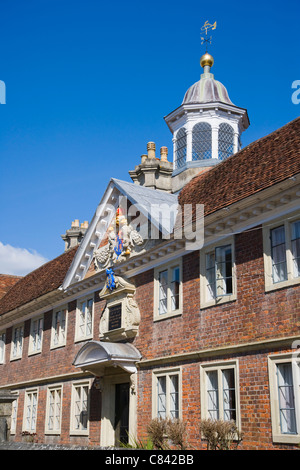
(254, 316)
(46, 365)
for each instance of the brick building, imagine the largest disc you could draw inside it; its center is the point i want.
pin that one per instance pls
(152, 311)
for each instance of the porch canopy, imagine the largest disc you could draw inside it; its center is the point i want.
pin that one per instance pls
(94, 356)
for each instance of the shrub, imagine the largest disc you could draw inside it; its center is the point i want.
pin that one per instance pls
(157, 432)
(220, 435)
(166, 432)
(176, 430)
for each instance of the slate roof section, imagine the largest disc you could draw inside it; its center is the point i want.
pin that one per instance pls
(155, 205)
(41, 281)
(6, 282)
(258, 166)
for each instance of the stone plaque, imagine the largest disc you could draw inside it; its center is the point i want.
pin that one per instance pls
(115, 317)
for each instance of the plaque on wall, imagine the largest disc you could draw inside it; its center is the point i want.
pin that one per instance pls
(115, 317)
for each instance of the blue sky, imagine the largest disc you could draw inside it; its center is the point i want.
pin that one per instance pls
(89, 82)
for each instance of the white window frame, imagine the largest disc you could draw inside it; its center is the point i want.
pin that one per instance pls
(219, 367)
(268, 262)
(36, 335)
(2, 346)
(54, 409)
(74, 428)
(169, 267)
(17, 347)
(14, 415)
(167, 373)
(294, 360)
(81, 320)
(30, 411)
(206, 300)
(58, 339)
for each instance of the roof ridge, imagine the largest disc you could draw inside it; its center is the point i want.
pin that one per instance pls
(206, 174)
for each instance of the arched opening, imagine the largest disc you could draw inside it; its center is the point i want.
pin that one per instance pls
(225, 141)
(201, 141)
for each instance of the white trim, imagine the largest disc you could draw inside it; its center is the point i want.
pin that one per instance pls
(291, 279)
(166, 372)
(2, 346)
(219, 366)
(218, 300)
(31, 349)
(73, 430)
(177, 262)
(61, 343)
(19, 353)
(55, 388)
(31, 391)
(273, 360)
(83, 337)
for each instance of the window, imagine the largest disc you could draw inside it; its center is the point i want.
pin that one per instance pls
(282, 254)
(284, 374)
(202, 141)
(80, 406)
(295, 248)
(2, 347)
(225, 141)
(219, 392)
(14, 412)
(168, 291)
(53, 417)
(180, 148)
(30, 411)
(17, 342)
(166, 394)
(36, 335)
(84, 324)
(217, 275)
(59, 328)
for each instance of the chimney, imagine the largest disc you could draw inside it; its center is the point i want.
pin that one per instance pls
(151, 149)
(164, 154)
(153, 172)
(75, 234)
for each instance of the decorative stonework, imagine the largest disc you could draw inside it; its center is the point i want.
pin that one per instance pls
(120, 245)
(121, 295)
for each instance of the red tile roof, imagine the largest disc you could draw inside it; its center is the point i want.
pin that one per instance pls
(258, 166)
(42, 280)
(6, 282)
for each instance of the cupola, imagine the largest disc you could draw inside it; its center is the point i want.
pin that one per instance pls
(206, 127)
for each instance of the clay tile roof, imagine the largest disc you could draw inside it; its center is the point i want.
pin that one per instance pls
(6, 282)
(258, 166)
(42, 280)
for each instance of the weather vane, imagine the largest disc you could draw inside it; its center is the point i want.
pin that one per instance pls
(207, 27)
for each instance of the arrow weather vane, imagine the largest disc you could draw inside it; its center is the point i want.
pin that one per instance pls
(207, 27)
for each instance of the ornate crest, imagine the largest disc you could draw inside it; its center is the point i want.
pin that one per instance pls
(122, 241)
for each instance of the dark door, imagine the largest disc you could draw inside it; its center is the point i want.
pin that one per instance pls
(121, 413)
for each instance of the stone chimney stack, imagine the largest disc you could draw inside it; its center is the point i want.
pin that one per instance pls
(75, 234)
(153, 172)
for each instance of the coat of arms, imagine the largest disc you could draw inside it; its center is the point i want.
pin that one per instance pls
(122, 241)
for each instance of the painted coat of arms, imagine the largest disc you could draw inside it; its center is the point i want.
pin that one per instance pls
(122, 241)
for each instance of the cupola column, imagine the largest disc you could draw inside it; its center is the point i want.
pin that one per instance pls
(236, 142)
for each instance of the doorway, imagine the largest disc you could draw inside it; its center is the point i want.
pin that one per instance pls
(121, 413)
